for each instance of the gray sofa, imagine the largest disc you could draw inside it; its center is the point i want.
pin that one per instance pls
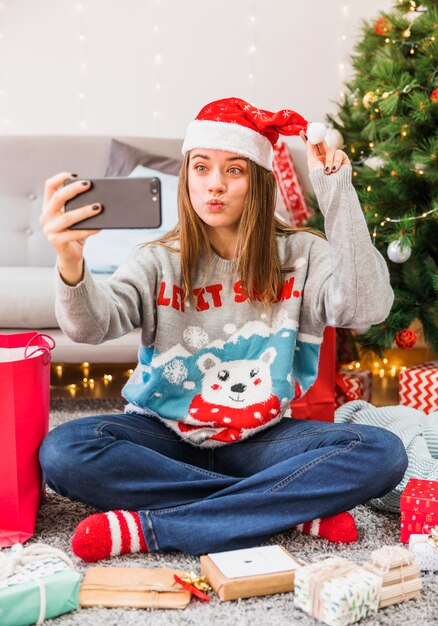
(26, 258)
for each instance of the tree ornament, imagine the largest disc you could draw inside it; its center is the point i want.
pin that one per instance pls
(434, 96)
(360, 330)
(375, 162)
(334, 138)
(406, 339)
(398, 253)
(368, 99)
(383, 26)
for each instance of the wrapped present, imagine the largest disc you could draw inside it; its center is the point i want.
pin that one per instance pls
(419, 508)
(418, 387)
(250, 572)
(36, 583)
(400, 592)
(400, 574)
(425, 550)
(352, 385)
(336, 591)
(135, 587)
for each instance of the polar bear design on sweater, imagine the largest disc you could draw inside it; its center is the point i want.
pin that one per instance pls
(236, 396)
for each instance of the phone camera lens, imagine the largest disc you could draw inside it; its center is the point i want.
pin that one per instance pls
(154, 186)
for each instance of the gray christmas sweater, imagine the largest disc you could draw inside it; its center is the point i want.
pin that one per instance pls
(221, 369)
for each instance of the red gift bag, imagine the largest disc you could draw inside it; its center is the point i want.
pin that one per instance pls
(24, 411)
(319, 402)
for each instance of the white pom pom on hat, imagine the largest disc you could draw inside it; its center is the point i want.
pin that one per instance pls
(316, 132)
(233, 125)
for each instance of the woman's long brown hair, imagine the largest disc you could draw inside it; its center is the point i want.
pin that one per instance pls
(257, 262)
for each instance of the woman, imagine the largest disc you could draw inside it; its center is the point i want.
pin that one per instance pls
(232, 306)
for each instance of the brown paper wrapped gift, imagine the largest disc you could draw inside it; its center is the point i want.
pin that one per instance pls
(400, 574)
(247, 586)
(134, 587)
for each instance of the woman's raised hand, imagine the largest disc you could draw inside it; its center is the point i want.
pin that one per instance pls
(321, 156)
(55, 222)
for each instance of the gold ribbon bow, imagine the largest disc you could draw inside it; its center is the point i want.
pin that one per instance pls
(433, 537)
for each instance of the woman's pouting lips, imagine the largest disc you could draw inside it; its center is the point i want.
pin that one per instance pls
(215, 205)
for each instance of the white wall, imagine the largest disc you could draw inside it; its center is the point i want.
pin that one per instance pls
(54, 82)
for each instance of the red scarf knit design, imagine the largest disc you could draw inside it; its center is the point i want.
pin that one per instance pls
(234, 420)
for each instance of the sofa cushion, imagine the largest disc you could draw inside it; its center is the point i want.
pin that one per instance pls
(123, 158)
(28, 297)
(121, 350)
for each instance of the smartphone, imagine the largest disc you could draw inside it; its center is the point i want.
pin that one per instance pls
(126, 203)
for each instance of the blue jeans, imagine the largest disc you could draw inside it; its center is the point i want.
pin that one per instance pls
(202, 500)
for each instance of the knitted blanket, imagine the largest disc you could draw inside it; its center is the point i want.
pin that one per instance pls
(418, 431)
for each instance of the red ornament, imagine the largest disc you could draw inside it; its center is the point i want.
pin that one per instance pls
(434, 96)
(382, 26)
(406, 339)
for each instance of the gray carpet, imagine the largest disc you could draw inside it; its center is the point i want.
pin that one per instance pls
(58, 517)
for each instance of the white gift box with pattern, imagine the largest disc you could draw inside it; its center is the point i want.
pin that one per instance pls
(426, 553)
(336, 591)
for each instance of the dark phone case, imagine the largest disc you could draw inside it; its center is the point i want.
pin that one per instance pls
(126, 202)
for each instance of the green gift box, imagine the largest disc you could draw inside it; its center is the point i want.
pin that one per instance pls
(336, 591)
(38, 587)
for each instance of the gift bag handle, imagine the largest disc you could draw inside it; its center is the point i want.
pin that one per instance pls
(47, 349)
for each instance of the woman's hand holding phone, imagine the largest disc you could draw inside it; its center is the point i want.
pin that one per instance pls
(55, 222)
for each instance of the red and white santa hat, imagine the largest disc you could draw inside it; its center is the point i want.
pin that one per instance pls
(236, 126)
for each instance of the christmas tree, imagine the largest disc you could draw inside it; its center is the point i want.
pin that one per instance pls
(387, 123)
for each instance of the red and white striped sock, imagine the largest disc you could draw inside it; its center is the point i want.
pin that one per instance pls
(339, 528)
(103, 535)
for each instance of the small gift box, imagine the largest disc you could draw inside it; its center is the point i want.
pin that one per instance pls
(336, 591)
(425, 550)
(135, 587)
(36, 583)
(399, 572)
(419, 508)
(352, 385)
(418, 387)
(250, 572)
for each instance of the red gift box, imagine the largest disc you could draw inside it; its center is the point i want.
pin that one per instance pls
(353, 385)
(319, 402)
(418, 387)
(419, 508)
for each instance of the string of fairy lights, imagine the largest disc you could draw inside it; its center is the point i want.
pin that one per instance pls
(381, 368)
(6, 121)
(345, 43)
(386, 368)
(404, 219)
(86, 382)
(157, 36)
(252, 52)
(83, 67)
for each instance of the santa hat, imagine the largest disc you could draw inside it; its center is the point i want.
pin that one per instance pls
(236, 126)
